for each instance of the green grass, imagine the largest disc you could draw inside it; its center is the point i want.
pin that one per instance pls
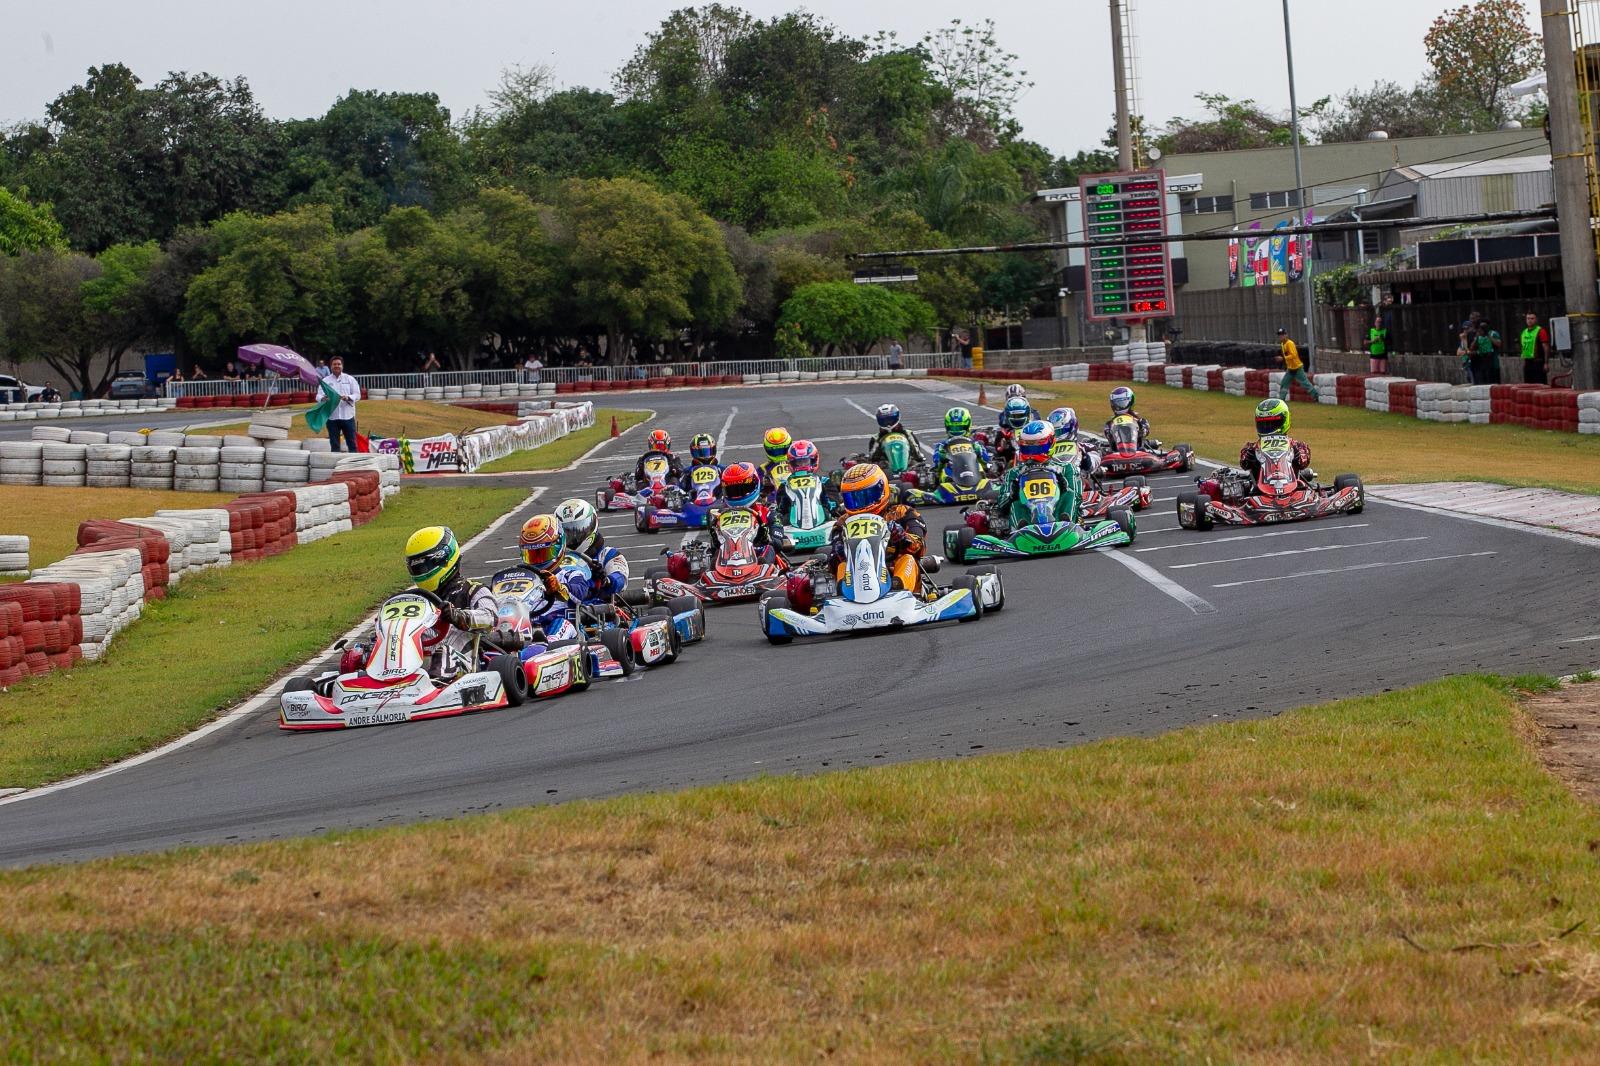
(1382, 448)
(1387, 877)
(49, 515)
(218, 638)
(558, 453)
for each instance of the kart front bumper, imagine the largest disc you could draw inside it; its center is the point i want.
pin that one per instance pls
(354, 700)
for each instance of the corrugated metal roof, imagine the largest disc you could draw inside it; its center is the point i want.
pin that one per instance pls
(1475, 168)
(1527, 264)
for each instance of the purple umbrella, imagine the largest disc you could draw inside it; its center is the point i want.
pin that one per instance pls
(280, 360)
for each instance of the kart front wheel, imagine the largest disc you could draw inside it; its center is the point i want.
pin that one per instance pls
(620, 648)
(1188, 457)
(1124, 521)
(1351, 481)
(963, 540)
(512, 679)
(1198, 506)
(1000, 602)
(641, 518)
(768, 604)
(970, 583)
(300, 684)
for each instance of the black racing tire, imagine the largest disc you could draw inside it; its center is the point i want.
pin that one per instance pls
(656, 612)
(1351, 481)
(641, 518)
(513, 678)
(964, 537)
(776, 600)
(635, 598)
(970, 583)
(621, 649)
(1124, 520)
(302, 683)
(1188, 457)
(1138, 480)
(580, 672)
(655, 573)
(1201, 504)
(679, 604)
(989, 568)
(604, 497)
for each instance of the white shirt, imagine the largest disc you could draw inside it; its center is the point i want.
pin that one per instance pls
(350, 389)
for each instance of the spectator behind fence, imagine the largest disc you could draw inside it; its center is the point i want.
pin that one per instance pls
(896, 353)
(530, 369)
(1378, 345)
(322, 368)
(1535, 350)
(342, 423)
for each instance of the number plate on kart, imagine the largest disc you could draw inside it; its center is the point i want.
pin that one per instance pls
(736, 521)
(803, 481)
(704, 475)
(404, 607)
(1039, 489)
(865, 525)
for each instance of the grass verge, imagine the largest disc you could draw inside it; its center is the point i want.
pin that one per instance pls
(558, 453)
(218, 638)
(50, 515)
(394, 418)
(1380, 447)
(1386, 877)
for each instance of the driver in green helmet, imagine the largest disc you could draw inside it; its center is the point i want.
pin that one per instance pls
(1272, 420)
(958, 426)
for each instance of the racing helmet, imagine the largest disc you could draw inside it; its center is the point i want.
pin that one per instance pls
(803, 455)
(660, 440)
(1016, 413)
(1034, 442)
(888, 416)
(1121, 400)
(1017, 391)
(776, 443)
(958, 422)
(542, 541)
(1065, 421)
(433, 558)
(703, 448)
(741, 484)
(865, 487)
(580, 524)
(1272, 417)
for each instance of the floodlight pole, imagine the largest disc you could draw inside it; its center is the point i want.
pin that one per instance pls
(1300, 198)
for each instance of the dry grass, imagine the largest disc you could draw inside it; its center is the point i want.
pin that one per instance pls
(51, 515)
(1380, 447)
(394, 418)
(1290, 890)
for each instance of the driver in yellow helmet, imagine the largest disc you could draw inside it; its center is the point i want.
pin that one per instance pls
(433, 559)
(775, 461)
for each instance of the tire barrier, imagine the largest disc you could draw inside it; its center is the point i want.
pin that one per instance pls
(13, 555)
(40, 629)
(1589, 413)
(55, 412)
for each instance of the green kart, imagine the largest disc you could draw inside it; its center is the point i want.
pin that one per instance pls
(1041, 522)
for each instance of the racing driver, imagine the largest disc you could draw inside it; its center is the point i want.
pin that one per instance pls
(865, 489)
(608, 567)
(1122, 404)
(889, 422)
(1272, 420)
(660, 443)
(433, 559)
(1033, 461)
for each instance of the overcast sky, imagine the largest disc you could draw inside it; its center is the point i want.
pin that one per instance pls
(299, 56)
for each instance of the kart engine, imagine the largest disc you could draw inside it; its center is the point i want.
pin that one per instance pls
(678, 567)
(800, 590)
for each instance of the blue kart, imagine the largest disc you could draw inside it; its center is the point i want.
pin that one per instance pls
(682, 507)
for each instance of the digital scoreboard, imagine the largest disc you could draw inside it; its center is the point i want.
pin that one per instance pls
(1127, 279)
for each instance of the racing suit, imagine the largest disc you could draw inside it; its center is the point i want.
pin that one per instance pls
(1068, 498)
(469, 610)
(1144, 429)
(771, 482)
(688, 484)
(608, 571)
(907, 536)
(938, 452)
(875, 444)
(674, 469)
(1302, 458)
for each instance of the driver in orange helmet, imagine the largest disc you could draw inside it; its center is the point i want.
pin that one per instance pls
(659, 443)
(865, 489)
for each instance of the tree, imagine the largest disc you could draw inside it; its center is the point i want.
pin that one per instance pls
(959, 191)
(1232, 125)
(982, 78)
(276, 279)
(578, 132)
(842, 314)
(1421, 111)
(26, 227)
(1478, 49)
(640, 262)
(120, 304)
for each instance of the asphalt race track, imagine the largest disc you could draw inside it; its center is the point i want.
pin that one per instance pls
(1181, 628)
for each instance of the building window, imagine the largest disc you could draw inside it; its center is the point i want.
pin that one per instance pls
(1207, 205)
(1266, 201)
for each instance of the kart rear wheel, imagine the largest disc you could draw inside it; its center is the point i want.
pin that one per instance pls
(1124, 520)
(680, 604)
(958, 547)
(775, 601)
(674, 641)
(303, 683)
(512, 678)
(990, 569)
(620, 648)
(1200, 504)
(641, 518)
(1351, 481)
(970, 583)
(1188, 457)
(635, 598)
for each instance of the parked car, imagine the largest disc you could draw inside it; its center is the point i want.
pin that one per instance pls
(15, 390)
(131, 385)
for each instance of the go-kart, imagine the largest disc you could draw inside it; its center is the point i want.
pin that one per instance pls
(1031, 527)
(801, 501)
(617, 496)
(720, 565)
(1098, 498)
(615, 640)
(896, 460)
(400, 679)
(1124, 455)
(861, 595)
(1274, 494)
(1002, 445)
(960, 479)
(680, 508)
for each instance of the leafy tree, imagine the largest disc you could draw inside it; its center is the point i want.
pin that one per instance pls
(578, 132)
(519, 301)
(832, 315)
(982, 78)
(787, 73)
(959, 191)
(120, 304)
(783, 185)
(27, 227)
(1478, 49)
(1231, 125)
(640, 262)
(276, 278)
(1423, 110)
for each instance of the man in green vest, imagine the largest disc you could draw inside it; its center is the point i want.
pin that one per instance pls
(1378, 345)
(1535, 350)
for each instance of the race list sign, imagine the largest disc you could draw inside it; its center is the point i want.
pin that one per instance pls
(1127, 280)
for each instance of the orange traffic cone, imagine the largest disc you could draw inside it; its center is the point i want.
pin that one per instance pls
(615, 432)
(983, 399)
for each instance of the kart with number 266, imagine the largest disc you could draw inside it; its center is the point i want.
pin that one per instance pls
(720, 565)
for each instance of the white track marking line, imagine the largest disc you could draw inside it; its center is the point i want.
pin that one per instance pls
(1581, 640)
(870, 414)
(1295, 551)
(1348, 569)
(1162, 582)
(256, 703)
(722, 436)
(1559, 534)
(1252, 536)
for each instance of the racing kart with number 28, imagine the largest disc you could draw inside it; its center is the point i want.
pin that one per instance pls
(1274, 494)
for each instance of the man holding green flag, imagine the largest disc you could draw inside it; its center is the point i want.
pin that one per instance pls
(337, 410)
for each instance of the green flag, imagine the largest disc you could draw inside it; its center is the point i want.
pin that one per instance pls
(317, 417)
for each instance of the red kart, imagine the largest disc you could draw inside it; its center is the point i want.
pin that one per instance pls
(617, 496)
(726, 567)
(1124, 456)
(1274, 494)
(1098, 502)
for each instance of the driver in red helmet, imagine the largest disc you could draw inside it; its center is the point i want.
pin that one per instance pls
(741, 491)
(658, 443)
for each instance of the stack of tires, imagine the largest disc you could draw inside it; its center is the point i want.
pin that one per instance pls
(1588, 413)
(275, 526)
(63, 464)
(287, 466)
(102, 535)
(321, 511)
(270, 425)
(107, 466)
(13, 555)
(242, 467)
(366, 494)
(151, 466)
(40, 629)
(21, 462)
(111, 593)
(197, 469)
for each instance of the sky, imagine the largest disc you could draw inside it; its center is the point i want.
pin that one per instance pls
(300, 56)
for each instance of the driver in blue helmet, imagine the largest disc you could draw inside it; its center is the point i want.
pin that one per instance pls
(1014, 391)
(889, 422)
(702, 453)
(1034, 442)
(1013, 416)
(1064, 420)
(1122, 404)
